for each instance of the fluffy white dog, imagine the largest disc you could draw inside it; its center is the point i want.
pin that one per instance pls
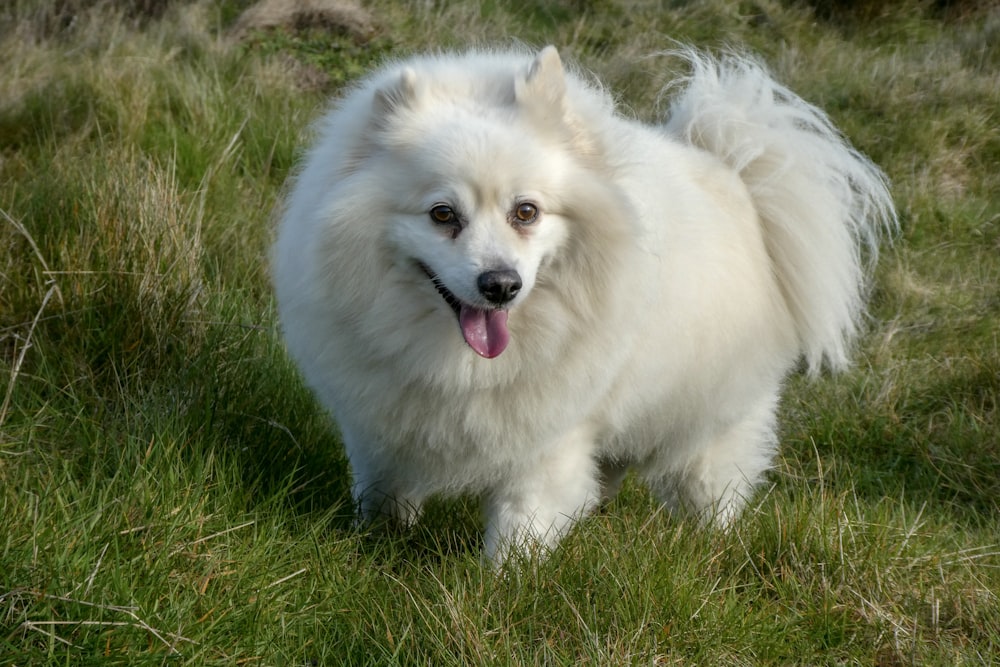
(500, 285)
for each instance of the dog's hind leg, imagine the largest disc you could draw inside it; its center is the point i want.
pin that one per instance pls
(714, 478)
(379, 501)
(613, 473)
(378, 494)
(541, 500)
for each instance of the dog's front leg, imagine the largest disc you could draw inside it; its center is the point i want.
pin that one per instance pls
(543, 497)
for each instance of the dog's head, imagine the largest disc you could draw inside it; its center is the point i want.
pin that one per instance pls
(479, 169)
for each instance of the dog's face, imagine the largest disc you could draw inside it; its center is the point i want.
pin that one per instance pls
(478, 228)
(476, 192)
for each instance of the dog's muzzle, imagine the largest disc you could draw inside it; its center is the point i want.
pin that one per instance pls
(499, 287)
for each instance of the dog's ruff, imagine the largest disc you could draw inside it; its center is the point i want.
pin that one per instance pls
(499, 285)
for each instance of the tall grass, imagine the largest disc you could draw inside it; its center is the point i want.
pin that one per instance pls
(169, 492)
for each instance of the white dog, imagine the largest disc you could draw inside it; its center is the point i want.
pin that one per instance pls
(499, 285)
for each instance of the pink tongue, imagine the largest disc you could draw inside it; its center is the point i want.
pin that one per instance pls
(485, 330)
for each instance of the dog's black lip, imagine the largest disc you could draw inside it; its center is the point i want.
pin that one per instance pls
(445, 293)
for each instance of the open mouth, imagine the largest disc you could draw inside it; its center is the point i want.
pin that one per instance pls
(484, 329)
(445, 293)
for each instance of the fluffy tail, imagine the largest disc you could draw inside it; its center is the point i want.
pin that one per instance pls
(822, 203)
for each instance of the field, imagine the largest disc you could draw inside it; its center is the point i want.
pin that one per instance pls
(171, 494)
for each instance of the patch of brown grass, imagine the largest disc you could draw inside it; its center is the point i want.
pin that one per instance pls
(339, 16)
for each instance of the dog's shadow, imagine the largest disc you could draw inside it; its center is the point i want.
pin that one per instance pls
(447, 528)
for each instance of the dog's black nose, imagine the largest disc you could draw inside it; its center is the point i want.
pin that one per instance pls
(499, 287)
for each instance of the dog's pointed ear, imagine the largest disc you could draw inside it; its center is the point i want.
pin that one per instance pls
(403, 92)
(544, 84)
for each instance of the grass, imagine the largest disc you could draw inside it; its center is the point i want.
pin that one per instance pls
(169, 492)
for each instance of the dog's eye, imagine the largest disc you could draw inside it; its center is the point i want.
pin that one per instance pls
(443, 214)
(525, 213)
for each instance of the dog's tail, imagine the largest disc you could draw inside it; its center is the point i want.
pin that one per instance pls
(822, 204)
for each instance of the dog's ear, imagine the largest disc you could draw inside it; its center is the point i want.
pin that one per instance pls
(403, 92)
(543, 87)
(541, 94)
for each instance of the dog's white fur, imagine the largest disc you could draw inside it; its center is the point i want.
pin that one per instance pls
(674, 276)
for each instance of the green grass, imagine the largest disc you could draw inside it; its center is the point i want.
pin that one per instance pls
(171, 494)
